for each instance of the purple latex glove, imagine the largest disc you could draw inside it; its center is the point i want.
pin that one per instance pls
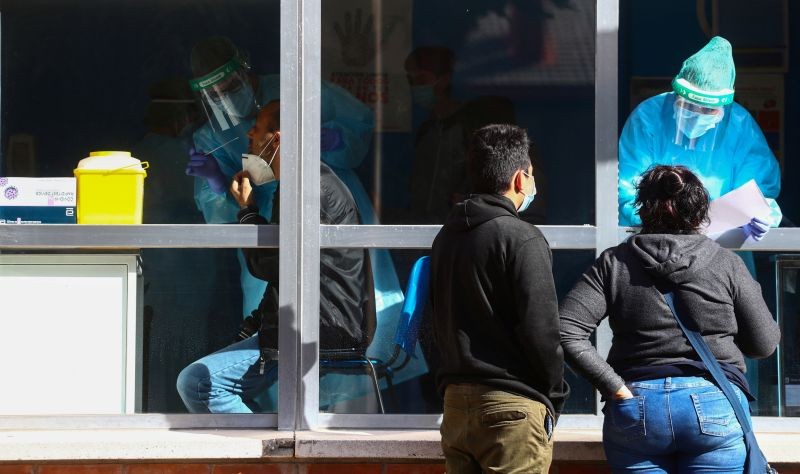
(330, 139)
(756, 229)
(206, 166)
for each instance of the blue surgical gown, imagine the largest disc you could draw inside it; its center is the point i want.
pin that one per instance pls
(739, 153)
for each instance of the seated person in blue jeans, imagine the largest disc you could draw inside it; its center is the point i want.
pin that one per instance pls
(233, 379)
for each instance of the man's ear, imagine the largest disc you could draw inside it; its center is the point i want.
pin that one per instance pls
(278, 137)
(516, 182)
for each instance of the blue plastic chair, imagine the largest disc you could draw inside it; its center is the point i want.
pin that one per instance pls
(405, 338)
(416, 297)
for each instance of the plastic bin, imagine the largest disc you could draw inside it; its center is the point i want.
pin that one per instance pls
(110, 188)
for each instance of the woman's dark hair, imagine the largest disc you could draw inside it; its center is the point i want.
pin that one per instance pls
(671, 200)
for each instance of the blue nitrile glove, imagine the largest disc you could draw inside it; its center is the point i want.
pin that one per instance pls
(206, 166)
(330, 139)
(756, 229)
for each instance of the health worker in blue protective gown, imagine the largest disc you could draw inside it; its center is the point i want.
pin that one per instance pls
(698, 125)
(231, 95)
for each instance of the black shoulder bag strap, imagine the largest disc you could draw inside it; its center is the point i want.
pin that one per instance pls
(755, 463)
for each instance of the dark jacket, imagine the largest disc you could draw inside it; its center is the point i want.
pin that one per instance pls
(494, 303)
(346, 302)
(712, 288)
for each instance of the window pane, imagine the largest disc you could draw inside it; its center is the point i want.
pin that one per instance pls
(405, 376)
(433, 72)
(121, 82)
(651, 56)
(346, 383)
(191, 307)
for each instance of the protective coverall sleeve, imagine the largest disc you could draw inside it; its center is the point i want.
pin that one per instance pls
(636, 154)
(755, 160)
(353, 119)
(216, 208)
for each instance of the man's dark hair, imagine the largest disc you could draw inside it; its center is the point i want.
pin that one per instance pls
(671, 200)
(276, 113)
(496, 152)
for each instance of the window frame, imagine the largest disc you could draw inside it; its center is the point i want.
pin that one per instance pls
(301, 236)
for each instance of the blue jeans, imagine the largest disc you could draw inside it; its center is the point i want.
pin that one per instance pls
(228, 381)
(674, 425)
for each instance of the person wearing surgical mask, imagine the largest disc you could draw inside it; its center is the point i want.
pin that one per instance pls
(230, 95)
(438, 177)
(495, 317)
(699, 126)
(241, 378)
(259, 168)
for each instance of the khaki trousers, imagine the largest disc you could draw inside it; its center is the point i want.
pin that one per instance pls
(489, 430)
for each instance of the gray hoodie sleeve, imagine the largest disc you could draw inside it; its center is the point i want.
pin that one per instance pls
(580, 312)
(758, 333)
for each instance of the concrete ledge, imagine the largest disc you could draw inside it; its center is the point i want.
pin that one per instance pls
(571, 445)
(95, 445)
(353, 444)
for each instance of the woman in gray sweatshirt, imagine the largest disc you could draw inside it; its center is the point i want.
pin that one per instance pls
(662, 410)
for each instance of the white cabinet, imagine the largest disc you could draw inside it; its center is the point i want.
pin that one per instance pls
(70, 335)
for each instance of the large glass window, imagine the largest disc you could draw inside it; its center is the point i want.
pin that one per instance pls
(143, 77)
(426, 76)
(403, 85)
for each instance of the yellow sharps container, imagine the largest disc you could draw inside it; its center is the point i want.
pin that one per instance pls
(110, 188)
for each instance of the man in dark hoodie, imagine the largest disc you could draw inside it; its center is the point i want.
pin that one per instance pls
(495, 316)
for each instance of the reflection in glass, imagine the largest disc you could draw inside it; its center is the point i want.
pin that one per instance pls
(191, 307)
(779, 376)
(434, 72)
(413, 386)
(398, 352)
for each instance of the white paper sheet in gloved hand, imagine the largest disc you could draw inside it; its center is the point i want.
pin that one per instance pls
(737, 208)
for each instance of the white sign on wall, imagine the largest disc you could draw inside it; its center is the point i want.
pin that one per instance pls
(364, 46)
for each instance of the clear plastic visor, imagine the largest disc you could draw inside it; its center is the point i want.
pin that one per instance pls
(229, 101)
(696, 125)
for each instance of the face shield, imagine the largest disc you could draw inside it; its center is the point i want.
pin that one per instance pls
(697, 114)
(226, 94)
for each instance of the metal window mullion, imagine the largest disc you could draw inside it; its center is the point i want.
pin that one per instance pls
(309, 194)
(605, 145)
(215, 236)
(290, 226)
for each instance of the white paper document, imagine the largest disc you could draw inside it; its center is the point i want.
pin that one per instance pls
(736, 208)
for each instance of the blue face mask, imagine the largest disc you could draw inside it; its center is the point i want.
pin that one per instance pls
(526, 202)
(695, 124)
(528, 199)
(423, 96)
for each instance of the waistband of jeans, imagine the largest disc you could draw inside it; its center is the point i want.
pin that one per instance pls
(672, 382)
